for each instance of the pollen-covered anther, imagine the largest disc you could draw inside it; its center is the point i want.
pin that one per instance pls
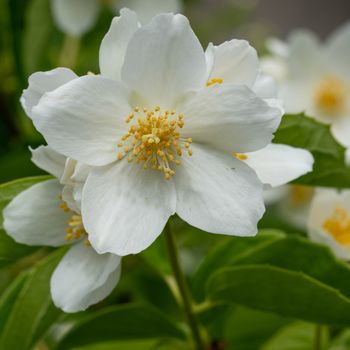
(215, 81)
(154, 140)
(75, 229)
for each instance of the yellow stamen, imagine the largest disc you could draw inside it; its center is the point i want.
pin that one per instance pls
(240, 156)
(338, 226)
(331, 96)
(300, 195)
(215, 81)
(154, 140)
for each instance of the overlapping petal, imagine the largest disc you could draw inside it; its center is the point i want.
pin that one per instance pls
(125, 207)
(42, 82)
(49, 160)
(84, 119)
(235, 62)
(83, 278)
(164, 60)
(34, 217)
(277, 165)
(147, 9)
(115, 42)
(218, 193)
(229, 117)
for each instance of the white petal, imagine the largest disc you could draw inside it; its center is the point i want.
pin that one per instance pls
(275, 194)
(125, 207)
(277, 47)
(218, 193)
(340, 129)
(275, 66)
(84, 278)
(115, 42)
(338, 50)
(297, 95)
(34, 217)
(235, 62)
(75, 17)
(42, 82)
(164, 60)
(84, 119)
(147, 9)
(265, 86)
(277, 165)
(305, 58)
(49, 160)
(229, 117)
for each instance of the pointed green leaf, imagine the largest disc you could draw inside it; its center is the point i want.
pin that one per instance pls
(285, 292)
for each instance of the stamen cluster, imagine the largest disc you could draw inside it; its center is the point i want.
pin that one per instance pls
(154, 140)
(75, 227)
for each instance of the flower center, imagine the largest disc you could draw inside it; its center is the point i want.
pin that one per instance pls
(331, 96)
(154, 140)
(75, 229)
(338, 225)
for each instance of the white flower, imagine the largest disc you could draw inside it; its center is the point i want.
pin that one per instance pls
(236, 62)
(149, 110)
(329, 220)
(76, 17)
(318, 79)
(41, 216)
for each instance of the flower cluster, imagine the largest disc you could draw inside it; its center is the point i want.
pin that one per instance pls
(165, 128)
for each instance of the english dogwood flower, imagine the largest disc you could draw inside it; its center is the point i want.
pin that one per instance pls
(329, 220)
(236, 62)
(76, 17)
(41, 215)
(318, 79)
(157, 132)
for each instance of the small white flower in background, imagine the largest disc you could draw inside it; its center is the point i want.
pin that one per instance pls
(329, 220)
(158, 131)
(46, 214)
(76, 17)
(316, 78)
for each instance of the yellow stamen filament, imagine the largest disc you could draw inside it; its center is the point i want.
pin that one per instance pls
(75, 229)
(331, 96)
(214, 81)
(240, 156)
(154, 139)
(338, 225)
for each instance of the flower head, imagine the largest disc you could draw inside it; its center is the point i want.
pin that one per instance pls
(46, 214)
(157, 129)
(316, 78)
(329, 220)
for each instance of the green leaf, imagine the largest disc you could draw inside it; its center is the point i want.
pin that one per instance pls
(127, 322)
(11, 189)
(10, 251)
(299, 254)
(9, 297)
(227, 253)
(304, 132)
(33, 311)
(297, 336)
(248, 329)
(288, 293)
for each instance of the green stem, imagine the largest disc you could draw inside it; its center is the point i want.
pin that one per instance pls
(69, 51)
(182, 286)
(318, 337)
